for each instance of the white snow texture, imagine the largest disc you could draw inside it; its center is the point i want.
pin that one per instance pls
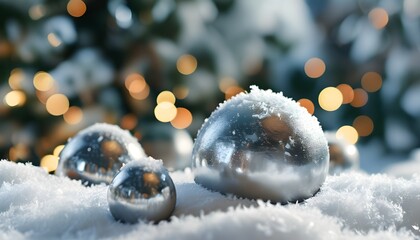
(35, 205)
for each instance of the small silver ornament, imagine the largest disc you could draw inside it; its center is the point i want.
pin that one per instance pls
(142, 190)
(173, 146)
(261, 145)
(343, 155)
(97, 153)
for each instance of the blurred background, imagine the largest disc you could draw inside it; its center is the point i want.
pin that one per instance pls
(158, 68)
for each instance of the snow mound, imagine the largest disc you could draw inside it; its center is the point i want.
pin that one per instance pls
(35, 205)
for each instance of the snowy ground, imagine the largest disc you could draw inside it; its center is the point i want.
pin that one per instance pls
(35, 205)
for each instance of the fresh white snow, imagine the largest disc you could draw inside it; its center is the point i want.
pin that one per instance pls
(35, 205)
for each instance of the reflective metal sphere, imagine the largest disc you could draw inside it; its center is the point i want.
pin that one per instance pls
(343, 155)
(173, 146)
(261, 145)
(97, 153)
(142, 190)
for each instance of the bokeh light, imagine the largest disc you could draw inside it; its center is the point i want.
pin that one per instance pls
(378, 17)
(330, 99)
(308, 104)
(183, 118)
(15, 98)
(43, 81)
(57, 104)
(74, 115)
(135, 83)
(371, 81)
(165, 112)
(36, 12)
(348, 133)
(15, 79)
(364, 125)
(181, 92)
(226, 82)
(165, 96)
(186, 64)
(128, 122)
(314, 67)
(53, 40)
(347, 92)
(141, 95)
(49, 163)
(360, 98)
(57, 150)
(76, 8)
(232, 91)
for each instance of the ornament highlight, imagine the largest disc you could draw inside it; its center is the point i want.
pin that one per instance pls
(142, 190)
(97, 153)
(343, 155)
(261, 145)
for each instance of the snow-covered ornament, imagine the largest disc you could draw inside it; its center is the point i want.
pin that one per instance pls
(261, 145)
(97, 153)
(142, 190)
(343, 155)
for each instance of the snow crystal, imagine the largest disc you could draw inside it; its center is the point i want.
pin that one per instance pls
(35, 205)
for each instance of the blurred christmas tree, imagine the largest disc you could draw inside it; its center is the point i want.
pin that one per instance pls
(69, 64)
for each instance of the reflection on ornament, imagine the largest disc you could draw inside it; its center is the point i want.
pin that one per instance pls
(343, 155)
(261, 145)
(96, 154)
(142, 190)
(173, 146)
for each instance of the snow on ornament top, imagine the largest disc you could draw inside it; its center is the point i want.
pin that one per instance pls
(261, 145)
(97, 153)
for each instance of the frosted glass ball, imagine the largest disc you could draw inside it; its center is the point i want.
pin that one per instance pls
(261, 145)
(142, 190)
(97, 153)
(343, 155)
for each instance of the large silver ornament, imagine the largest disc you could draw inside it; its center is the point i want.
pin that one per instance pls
(142, 190)
(97, 153)
(173, 146)
(261, 145)
(343, 155)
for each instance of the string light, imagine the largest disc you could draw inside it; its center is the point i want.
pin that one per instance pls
(74, 115)
(371, 81)
(330, 99)
(379, 17)
(308, 104)
(57, 104)
(347, 133)
(76, 8)
(186, 64)
(314, 67)
(347, 92)
(364, 125)
(183, 118)
(165, 96)
(165, 112)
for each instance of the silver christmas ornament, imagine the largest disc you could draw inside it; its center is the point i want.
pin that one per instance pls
(173, 146)
(142, 190)
(97, 153)
(343, 155)
(261, 145)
